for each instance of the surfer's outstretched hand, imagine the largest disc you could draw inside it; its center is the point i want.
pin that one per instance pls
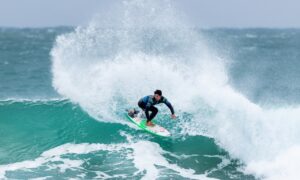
(173, 116)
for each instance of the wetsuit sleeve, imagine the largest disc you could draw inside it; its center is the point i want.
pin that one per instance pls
(169, 105)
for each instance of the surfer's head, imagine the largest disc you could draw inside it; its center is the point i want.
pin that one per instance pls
(157, 94)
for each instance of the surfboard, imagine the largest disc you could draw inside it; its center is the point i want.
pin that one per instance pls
(141, 123)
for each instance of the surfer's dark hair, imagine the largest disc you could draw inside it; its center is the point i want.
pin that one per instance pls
(158, 92)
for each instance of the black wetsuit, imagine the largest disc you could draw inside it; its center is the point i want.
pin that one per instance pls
(147, 104)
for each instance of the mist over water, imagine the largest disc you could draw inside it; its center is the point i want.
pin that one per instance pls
(151, 48)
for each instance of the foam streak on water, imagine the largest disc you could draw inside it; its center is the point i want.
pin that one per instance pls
(147, 158)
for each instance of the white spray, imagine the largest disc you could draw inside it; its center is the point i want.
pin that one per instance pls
(107, 66)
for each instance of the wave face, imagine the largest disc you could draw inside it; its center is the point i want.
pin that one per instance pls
(235, 92)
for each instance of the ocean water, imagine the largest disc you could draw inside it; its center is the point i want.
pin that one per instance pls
(64, 90)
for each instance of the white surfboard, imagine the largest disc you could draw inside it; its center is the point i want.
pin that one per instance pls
(141, 123)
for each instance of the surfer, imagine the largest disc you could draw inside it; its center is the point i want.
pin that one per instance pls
(147, 104)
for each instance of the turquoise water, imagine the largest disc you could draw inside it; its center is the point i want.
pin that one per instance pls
(31, 128)
(64, 91)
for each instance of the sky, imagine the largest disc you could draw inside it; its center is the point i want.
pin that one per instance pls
(203, 13)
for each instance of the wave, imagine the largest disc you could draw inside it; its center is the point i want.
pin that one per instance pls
(107, 66)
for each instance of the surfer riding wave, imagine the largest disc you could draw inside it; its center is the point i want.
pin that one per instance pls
(147, 104)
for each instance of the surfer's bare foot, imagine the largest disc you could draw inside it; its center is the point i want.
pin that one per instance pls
(150, 123)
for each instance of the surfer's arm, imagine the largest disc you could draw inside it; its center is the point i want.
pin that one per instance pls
(169, 105)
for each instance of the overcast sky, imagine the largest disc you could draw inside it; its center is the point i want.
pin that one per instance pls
(204, 13)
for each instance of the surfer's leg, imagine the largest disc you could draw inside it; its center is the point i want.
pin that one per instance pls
(154, 111)
(141, 105)
(143, 113)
